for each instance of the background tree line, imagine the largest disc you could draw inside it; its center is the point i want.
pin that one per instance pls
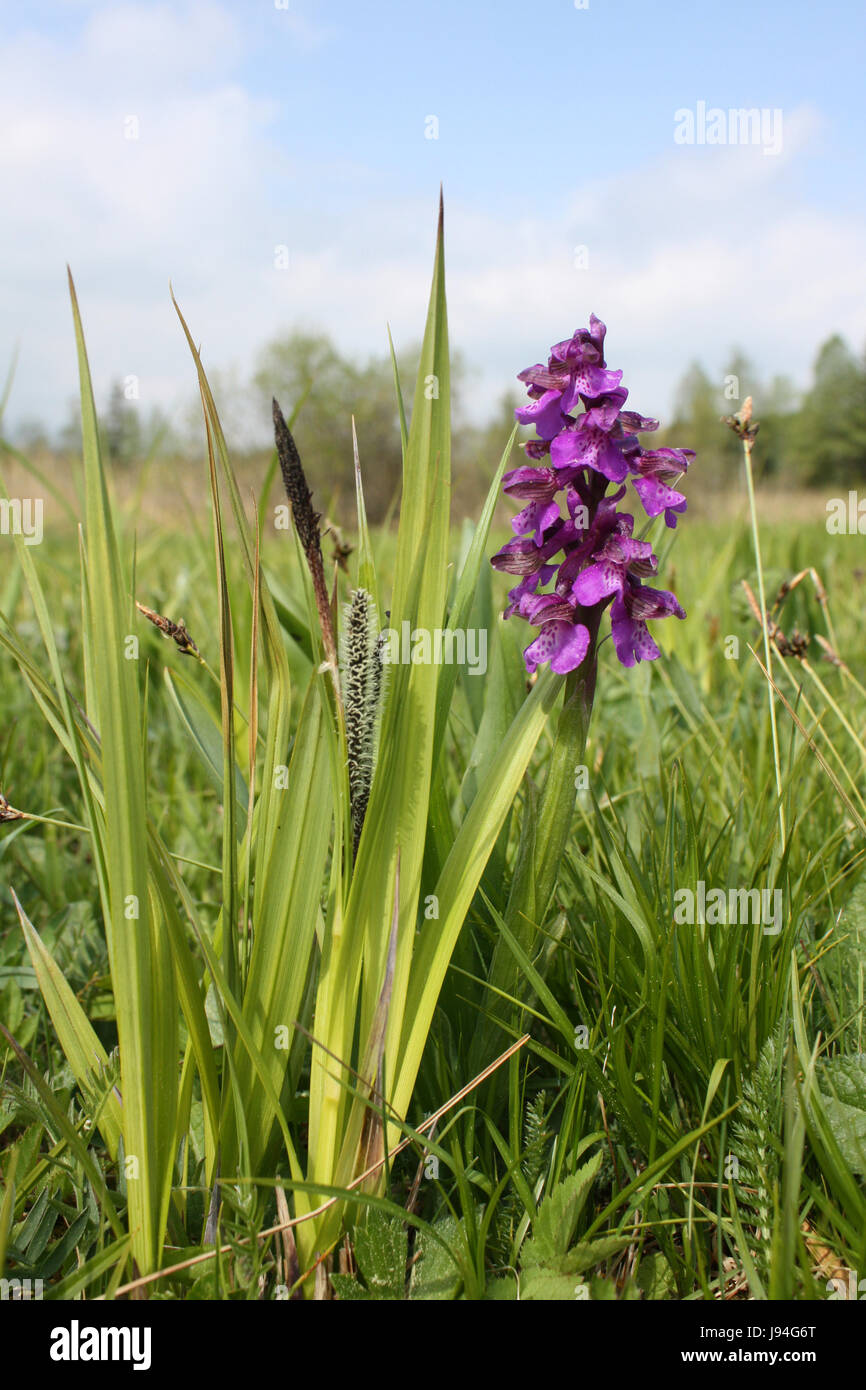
(814, 438)
(807, 439)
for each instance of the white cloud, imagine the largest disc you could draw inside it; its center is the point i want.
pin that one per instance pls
(706, 248)
(304, 24)
(162, 43)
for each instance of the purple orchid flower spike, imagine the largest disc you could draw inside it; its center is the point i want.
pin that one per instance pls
(571, 564)
(586, 441)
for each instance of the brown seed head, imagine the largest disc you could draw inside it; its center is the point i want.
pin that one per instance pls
(294, 479)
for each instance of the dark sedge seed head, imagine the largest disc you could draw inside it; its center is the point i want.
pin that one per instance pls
(295, 482)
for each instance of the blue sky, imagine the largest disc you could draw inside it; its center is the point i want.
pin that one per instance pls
(260, 126)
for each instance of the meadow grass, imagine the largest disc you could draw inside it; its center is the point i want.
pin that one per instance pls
(228, 1018)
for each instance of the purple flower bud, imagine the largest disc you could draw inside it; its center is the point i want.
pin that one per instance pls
(519, 557)
(633, 423)
(532, 484)
(537, 448)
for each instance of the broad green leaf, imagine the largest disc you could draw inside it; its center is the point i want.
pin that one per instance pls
(381, 1248)
(141, 965)
(436, 1273)
(462, 873)
(843, 1084)
(204, 730)
(284, 928)
(397, 814)
(561, 1279)
(81, 1046)
(556, 1220)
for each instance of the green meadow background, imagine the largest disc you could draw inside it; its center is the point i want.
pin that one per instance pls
(683, 1113)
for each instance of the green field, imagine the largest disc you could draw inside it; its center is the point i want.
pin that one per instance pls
(685, 1113)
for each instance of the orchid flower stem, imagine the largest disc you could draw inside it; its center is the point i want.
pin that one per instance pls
(556, 805)
(585, 441)
(545, 834)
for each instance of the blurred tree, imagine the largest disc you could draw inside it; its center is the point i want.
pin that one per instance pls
(781, 397)
(121, 427)
(476, 457)
(699, 405)
(128, 435)
(31, 437)
(68, 439)
(307, 367)
(776, 408)
(830, 440)
(334, 388)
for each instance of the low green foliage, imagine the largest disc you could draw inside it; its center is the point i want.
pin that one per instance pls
(269, 917)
